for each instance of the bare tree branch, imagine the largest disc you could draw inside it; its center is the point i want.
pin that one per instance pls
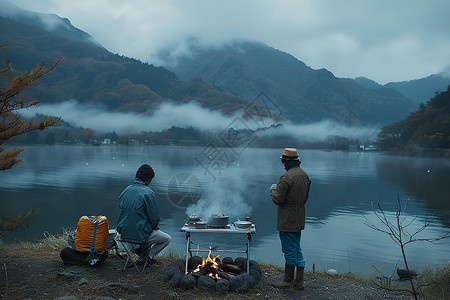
(397, 232)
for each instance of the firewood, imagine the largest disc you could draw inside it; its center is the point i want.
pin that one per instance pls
(231, 267)
(226, 275)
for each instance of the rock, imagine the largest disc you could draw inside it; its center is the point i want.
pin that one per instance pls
(249, 279)
(222, 285)
(239, 284)
(256, 275)
(241, 260)
(227, 260)
(179, 264)
(83, 281)
(332, 272)
(193, 262)
(104, 298)
(206, 282)
(168, 273)
(174, 267)
(66, 298)
(404, 274)
(255, 266)
(69, 274)
(188, 282)
(176, 278)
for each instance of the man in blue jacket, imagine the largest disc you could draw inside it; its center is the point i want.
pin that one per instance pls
(139, 214)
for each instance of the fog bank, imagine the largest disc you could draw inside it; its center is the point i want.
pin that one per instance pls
(192, 115)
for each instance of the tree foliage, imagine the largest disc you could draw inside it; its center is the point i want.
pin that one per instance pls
(426, 128)
(92, 75)
(11, 102)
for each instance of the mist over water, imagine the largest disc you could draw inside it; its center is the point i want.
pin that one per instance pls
(192, 115)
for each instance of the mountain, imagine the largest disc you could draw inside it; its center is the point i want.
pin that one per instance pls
(50, 22)
(368, 83)
(421, 90)
(91, 74)
(303, 94)
(418, 90)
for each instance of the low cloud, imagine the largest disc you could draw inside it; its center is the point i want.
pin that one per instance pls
(319, 131)
(165, 116)
(50, 21)
(189, 115)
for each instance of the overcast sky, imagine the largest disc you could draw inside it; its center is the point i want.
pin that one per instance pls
(384, 40)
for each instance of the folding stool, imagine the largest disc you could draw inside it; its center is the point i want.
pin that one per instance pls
(134, 252)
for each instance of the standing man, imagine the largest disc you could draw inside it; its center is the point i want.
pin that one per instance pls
(290, 195)
(139, 214)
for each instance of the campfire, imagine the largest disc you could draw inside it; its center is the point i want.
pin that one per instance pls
(210, 266)
(212, 273)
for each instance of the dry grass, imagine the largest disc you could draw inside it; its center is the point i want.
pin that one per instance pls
(29, 270)
(435, 285)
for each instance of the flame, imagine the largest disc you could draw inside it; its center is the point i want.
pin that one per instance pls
(209, 261)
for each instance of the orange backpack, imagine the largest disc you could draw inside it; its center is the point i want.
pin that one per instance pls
(92, 234)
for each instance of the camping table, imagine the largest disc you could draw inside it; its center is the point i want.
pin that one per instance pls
(230, 230)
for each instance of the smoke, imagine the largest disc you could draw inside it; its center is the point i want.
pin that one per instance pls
(226, 196)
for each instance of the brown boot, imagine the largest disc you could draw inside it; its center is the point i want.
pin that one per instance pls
(299, 280)
(288, 281)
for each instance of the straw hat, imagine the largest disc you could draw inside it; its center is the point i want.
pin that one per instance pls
(289, 153)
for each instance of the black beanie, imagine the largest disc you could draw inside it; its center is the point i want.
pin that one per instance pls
(145, 172)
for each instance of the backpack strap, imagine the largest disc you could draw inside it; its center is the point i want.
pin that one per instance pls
(92, 258)
(95, 233)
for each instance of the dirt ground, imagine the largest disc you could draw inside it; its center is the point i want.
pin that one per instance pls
(31, 274)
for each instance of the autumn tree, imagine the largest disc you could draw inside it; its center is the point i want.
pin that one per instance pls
(12, 101)
(426, 128)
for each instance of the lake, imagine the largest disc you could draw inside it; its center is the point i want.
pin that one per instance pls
(66, 182)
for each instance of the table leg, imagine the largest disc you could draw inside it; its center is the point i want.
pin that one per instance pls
(249, 238)
(188, 235)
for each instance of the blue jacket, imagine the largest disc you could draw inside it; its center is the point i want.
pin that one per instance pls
(139, 213)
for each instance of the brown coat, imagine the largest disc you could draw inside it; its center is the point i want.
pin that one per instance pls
(290, 196)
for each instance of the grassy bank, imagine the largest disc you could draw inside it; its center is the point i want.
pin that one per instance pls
(32, 271)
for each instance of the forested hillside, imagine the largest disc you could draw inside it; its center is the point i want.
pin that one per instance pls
(303, 94)
(427, 129)
(418, 90)
(91, 74)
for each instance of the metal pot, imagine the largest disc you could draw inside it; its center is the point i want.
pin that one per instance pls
(200, 225)
(243, 224)
(218, 220)
(192, 219)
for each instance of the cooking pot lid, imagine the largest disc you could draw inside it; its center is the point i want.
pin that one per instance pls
(193, 217)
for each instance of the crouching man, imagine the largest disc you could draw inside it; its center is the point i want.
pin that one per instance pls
(139, 214)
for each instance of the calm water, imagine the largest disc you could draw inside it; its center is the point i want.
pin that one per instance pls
(68, 182)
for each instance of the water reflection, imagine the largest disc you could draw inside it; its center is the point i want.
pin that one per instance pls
(427, 180)
(68, 182)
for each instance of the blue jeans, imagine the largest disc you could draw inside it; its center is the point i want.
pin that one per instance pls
(290, 245)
